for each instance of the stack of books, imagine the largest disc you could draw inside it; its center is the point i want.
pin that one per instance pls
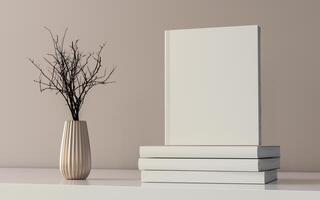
(209, 164)
(212, 111)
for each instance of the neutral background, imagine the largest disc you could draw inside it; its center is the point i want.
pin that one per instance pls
(130, 113)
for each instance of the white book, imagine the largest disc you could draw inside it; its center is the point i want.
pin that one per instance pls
(208, 177)
(209, 164)
(209, 151)
(212, 86)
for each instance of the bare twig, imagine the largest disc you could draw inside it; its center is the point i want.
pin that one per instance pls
(71, 73)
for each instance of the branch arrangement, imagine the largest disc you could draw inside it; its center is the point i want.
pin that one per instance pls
(71, 73)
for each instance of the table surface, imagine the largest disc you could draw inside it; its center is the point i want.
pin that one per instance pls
(297, 181)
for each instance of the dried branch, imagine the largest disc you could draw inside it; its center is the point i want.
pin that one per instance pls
(71, 73)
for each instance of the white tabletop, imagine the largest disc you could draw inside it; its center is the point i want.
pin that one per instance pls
(125, 184)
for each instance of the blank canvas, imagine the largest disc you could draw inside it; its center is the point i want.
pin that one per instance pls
(212, 86)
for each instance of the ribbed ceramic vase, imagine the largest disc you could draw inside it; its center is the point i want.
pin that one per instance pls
(75, 154)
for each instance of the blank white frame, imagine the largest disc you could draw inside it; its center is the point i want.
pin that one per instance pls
(212, 86)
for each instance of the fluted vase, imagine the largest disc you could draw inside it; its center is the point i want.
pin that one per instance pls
(75, 154)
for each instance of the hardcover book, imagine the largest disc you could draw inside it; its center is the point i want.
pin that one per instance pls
(212, 86)
(208, 177)
(209, 151)
(209, 164)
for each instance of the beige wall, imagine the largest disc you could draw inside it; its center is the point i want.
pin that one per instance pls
(130, 113)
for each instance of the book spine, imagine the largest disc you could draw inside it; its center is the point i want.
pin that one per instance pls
(182, 152)
(208, 177)
(209, 164)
